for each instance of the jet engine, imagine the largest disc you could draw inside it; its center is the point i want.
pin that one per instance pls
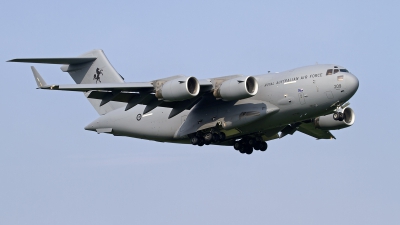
(178, 89)
(237, 88)
(329, 123)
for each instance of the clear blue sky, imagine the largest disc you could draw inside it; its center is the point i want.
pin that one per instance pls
(52, 171)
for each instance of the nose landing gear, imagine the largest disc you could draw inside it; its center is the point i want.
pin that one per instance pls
(338, 116)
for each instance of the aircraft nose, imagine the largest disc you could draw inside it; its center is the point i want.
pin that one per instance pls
(352, 83)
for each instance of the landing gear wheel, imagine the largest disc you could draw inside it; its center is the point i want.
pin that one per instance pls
(263, 146)
(208, 137)
(336, 116)
(257, 145)
(242, 149)
(201, 142)
(249, 149)
(237, 145)
(215, 137)
(341, 116)
(252, 142)
(222, 136)
(194, 140)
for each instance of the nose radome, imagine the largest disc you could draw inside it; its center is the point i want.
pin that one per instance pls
(352, 83)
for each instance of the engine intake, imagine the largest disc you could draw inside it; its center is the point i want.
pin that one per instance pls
(328, 123)
(179, 89)
(237, 88)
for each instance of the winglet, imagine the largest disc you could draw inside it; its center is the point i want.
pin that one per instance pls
(39, 80)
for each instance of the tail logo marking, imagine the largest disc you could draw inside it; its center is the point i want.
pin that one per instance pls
(97, 75)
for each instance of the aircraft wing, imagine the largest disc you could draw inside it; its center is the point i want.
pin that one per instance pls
(132, 93)
(132, 87)
(129, 87)
(309, 129)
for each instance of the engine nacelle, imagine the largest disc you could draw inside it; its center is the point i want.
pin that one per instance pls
(179, 89)
(237, 88)
(328, 123)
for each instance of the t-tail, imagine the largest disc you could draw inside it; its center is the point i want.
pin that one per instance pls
(89, 68)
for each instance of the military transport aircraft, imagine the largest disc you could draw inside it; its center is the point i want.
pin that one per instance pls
(239, 111)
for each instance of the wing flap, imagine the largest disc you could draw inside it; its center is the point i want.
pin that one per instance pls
(146, 100)
(309, 129)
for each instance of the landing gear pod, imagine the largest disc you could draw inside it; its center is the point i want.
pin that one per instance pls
(237, 88)
(336, 121)
(179, 89)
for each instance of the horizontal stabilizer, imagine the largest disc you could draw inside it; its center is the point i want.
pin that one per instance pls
(71, 60)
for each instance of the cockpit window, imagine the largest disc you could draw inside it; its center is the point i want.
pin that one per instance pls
(336, 70)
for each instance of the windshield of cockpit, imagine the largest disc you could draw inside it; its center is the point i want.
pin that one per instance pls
(336, 70)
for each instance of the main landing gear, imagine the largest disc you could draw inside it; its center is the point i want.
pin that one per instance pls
(207, 138)
(246, 145)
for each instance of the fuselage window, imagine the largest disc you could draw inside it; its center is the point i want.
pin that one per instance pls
(329, 72)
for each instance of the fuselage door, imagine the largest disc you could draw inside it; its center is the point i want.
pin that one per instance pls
(302, 98)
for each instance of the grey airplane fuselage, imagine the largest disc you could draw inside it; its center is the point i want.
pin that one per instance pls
(291, 96)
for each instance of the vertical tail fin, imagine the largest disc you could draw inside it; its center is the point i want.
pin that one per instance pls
(90, 68)
(98, 71)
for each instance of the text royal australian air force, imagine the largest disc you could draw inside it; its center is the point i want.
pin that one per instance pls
(292, 79)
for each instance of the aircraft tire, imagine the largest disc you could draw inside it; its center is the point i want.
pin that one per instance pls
(341, 116)
(237, 145)
(215, 137)
(201, 142)
(252, 142)
(242, 149)
(257, 145)
(249, 149)
(194, 140)
(263, 146)
(335, 116)
(208, 137)
(222, 136)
